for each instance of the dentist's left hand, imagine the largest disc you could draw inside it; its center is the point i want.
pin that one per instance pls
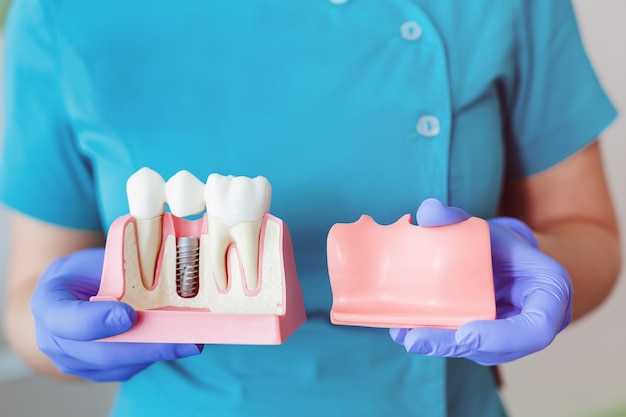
(67, 324)
(533, 297)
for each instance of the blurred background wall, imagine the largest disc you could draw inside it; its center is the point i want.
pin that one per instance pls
(582, 374)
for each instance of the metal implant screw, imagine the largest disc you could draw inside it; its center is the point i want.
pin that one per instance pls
(187, 267)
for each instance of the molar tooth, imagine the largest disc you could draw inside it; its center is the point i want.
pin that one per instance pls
(184, 194)
(235, 209)
(145, 190)
(237, 199)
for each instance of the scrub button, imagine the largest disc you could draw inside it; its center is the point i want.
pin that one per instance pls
(428, 126)
(411, 31)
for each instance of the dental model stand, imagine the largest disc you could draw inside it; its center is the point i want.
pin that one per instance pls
(407, 276)
(227, 277)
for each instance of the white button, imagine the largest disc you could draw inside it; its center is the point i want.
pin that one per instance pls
(411, 31)
(338, 1)
(428, 126)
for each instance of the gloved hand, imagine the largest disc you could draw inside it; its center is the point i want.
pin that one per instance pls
(67, 324)
(533, 297)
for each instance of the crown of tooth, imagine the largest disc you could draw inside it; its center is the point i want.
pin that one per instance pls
(184, 194)
(145, 190)
(237, 199)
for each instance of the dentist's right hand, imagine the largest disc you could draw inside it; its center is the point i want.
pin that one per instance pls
(67, 324)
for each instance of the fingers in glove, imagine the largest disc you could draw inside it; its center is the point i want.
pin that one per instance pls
(435, 342)
(105, 375)
(87, 263)
(533, 329)
(85, 359)
(57, 311)
(397, 335)
(432, 213)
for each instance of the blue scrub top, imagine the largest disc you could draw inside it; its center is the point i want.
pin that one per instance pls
(347, 107)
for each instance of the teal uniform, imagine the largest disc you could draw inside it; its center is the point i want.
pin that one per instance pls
(347, 107)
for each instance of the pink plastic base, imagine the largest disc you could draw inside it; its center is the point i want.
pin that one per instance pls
(200, 325)
(203, 327)
(407, 276)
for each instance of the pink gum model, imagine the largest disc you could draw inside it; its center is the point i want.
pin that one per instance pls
(268, 315)
(408, 276)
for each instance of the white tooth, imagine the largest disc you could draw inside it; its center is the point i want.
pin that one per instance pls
(145, 190)
(237, 199)
(235, 209)
(146, 194)
(184, 194)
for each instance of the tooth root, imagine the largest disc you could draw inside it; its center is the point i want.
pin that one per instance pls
(246, 235)
(219, 239)
(149, 235)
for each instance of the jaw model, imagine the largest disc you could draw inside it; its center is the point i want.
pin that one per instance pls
(409, 276)
(227, 277)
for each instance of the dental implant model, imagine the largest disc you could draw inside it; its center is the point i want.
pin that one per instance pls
(226, 277)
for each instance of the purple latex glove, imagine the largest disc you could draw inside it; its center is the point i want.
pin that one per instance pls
(533, 297)
(67, 324)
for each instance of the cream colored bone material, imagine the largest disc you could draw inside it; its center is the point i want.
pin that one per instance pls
(145, 190)
(268, 299)
(163, 292)
(235, 207)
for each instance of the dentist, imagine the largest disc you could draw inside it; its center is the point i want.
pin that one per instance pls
(346, 107)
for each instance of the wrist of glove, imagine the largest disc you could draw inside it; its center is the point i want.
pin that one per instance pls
(67, 324)
(533, 297)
